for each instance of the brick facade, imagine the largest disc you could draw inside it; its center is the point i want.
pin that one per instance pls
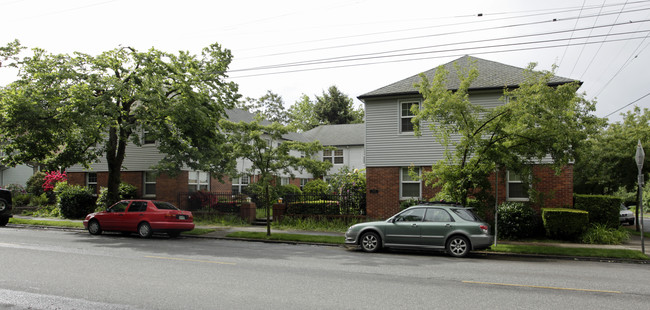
(383, 186)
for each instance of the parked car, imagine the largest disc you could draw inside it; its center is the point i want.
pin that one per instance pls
(5, 207)
(626, 216)
(142, 216)
(441, 226)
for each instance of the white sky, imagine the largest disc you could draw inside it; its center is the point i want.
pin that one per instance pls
(427, 33)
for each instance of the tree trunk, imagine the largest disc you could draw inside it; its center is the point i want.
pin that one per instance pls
(115, 153)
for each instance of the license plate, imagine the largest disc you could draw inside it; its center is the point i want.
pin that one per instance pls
(182, 217)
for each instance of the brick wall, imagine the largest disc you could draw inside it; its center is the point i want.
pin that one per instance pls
(382, 191)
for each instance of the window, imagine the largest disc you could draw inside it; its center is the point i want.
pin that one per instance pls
(409, 187)
(239, 185)
(284, 181)
(149, 183)
(437, 215)
(119, 207)
(198, 181)
(91, 181)
(147, 137)
(413, 215)
(406, 116)
(303, 182)
(138, 206)
(517, 190)
(335, 157)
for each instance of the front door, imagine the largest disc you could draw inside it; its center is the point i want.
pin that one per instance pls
(113, 219)
(405, 228)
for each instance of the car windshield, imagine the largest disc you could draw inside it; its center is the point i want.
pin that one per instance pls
(161, 205)
(467, 214)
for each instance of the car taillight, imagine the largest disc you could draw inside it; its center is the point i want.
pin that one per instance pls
(169, 215)
(484, 228)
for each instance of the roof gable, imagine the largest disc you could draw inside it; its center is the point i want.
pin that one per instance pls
(492, 75)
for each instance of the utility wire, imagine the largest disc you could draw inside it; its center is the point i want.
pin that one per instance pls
(629, 104)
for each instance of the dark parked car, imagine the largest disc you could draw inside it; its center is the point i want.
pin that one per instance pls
(142, 216)
(442, 226)
(5, 207)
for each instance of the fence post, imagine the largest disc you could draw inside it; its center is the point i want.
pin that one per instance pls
(247, 211)
(278, 211)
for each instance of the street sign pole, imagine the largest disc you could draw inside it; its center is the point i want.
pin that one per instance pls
(639, 158)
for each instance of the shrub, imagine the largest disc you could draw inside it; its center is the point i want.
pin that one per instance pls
(322, 207)
(20, 200)
(315, 187)
(601, 234)
(602, 209)
(38, 201)
(289, 189)
(348, 181)
(564, 223)
(35, 183)
(483, 209)
(516, 220)
(52, 178)
(126, 191)
(74, 201)
(407, 203)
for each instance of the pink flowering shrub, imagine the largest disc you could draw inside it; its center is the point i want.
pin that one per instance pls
(53, 177)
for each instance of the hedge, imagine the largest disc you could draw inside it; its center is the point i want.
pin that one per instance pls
(322, 207)
(602, 210)
(74, 201)
(564, 223)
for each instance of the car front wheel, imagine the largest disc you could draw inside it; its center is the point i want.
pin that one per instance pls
(94, 228)
(370, 242)
(458, 246)
(144, 230)
(4, 221)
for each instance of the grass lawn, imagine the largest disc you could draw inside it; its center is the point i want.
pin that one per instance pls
(581, 252)
(288, 237)
(55, 223)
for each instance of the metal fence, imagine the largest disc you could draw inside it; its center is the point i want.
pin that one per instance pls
(329, 204)
(209, 202)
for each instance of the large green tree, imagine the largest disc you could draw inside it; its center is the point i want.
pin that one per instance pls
(301, 114)
(270, 154)
(72, 109)
(270, 106)
(334, 107)
(536, 121)
(606, 162)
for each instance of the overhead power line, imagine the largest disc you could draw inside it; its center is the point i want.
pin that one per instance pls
(629, 104)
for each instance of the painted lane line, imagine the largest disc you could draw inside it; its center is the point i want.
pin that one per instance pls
(190, 260)
(545, 287)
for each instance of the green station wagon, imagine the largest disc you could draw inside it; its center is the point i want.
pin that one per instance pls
(440, 226)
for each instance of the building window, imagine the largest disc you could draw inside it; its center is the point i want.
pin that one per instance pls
(198, 181)
(406, 115)
(147, 137)
(149, 184)
(284, 181)
(303, 182)
(517, 188)
(240, 184)
(91, 181)
(335, 157)
(410, 188)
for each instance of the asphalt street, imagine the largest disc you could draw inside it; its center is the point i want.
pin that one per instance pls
(54, 269)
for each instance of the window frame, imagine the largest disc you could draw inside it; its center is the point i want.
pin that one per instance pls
(336, 157)
(92, 185)
(520, 181)
(146, 181)
(403, 172)
(409, 116)
(241, 183)
(198, 184)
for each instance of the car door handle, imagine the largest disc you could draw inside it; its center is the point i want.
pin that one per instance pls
(448, 225)
(414, 225)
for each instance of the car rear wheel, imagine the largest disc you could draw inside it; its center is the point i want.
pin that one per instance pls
(458, 246)
(370, 242)
(144, 230)
(4, 221)
(94, 228)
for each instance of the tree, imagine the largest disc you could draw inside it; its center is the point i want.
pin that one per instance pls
(536, 121)
(301, 114)
(270, 106)
(69, 109)
(606, 162)
(270, 154)
(334, 107)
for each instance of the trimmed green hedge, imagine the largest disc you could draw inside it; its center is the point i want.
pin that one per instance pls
(517, 220)
(564, 223)
(74, 201)
(322, 207)
(602, 210)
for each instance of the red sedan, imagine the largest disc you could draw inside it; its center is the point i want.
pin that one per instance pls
(142, 216)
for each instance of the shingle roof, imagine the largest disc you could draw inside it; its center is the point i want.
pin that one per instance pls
(239, 115)
(492, 75)
(344, 134)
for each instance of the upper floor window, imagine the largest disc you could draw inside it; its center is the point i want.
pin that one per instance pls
(335, 157)
(198, 181)
(240, 184)
(517, 187)
(406, 115)
(149, 183)
(409, 187)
